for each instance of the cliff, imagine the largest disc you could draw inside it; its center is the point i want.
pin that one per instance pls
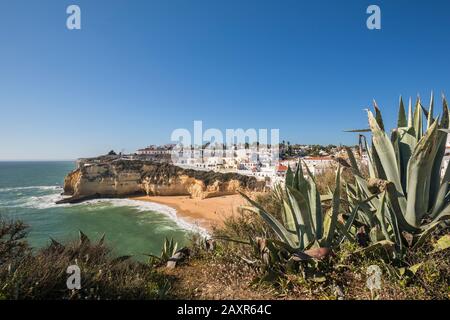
(100, 178)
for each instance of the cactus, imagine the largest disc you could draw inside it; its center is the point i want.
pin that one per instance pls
(304, 225)
(406, 197)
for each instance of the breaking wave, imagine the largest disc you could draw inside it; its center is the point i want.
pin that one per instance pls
(48, 201)
(56, 188)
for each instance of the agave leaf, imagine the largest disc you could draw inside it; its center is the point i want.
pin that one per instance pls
(372, 166)
(440, 200)
(357, 130)
(430, 118)
(349, 224)
(303, 185)
(378, 116)
(385, 152)
(289, 177)
(397, 210)
(419, 174)
(302, 213)
(174, 248)
(401, 122)
(382, 216)
(396, 230)
(436, 184)
(410, 114)
(315, 206)
(366, 194)
(353, 162)
(289, 219)
(277, 227)
(428, 231)
(443, 215)
(335, 209)
(84, 239)
(418, 120)
(406, 144)
(345, 234)
(102, 240)
(55, 244)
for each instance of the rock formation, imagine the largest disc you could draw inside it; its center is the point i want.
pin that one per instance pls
(103, 177)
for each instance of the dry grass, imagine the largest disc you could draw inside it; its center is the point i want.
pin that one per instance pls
(42, 275)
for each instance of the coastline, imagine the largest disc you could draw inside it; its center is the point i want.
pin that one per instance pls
(206, 213)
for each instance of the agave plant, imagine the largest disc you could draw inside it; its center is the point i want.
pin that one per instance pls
(304, 225)
(168, 250)
(407, 197)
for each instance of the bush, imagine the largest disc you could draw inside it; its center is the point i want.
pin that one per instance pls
(42, 275)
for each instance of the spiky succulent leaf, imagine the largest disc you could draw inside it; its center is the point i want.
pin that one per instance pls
(419, 175)
(276, 226)
(401, 122)
(335, 209)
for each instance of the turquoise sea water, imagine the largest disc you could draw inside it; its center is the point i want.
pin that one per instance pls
(28, 191)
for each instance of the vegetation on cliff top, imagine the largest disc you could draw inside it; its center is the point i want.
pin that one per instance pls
(163, 172)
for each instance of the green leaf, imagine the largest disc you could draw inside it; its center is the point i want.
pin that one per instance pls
(401, 122)
(381, 216)
(276, 226)
(289, 177)
(415, 268)
(418, 120)
(406, 144)
(430, 119)
(302, 214)
(428, 231)
(419, 175)
(410, 115)
(385, 152)
(335, 209)
(352, 159)
(442, 243)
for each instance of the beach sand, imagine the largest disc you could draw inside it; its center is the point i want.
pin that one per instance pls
(206, 213)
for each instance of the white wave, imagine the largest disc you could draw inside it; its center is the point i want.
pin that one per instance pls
(49, 201)
(55, 188)
(42, 202)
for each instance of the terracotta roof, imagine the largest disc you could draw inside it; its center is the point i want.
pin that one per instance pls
(282, 168)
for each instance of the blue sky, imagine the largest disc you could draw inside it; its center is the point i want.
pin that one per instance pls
(140, 69)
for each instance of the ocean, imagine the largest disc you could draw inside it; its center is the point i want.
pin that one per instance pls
(28, 191)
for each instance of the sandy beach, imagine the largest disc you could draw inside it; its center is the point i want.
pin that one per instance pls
(206, 213)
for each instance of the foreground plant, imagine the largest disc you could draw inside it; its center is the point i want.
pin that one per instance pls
(406, 197)
(43, 274)
(305, 228)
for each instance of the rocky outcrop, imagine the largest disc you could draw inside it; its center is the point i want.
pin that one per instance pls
(122, 178)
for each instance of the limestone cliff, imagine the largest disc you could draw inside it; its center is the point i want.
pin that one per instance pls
(121, 178)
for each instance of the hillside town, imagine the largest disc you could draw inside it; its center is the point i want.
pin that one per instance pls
(250, 160)
(262, 163)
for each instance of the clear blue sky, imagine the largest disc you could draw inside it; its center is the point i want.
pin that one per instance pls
(139, 69)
